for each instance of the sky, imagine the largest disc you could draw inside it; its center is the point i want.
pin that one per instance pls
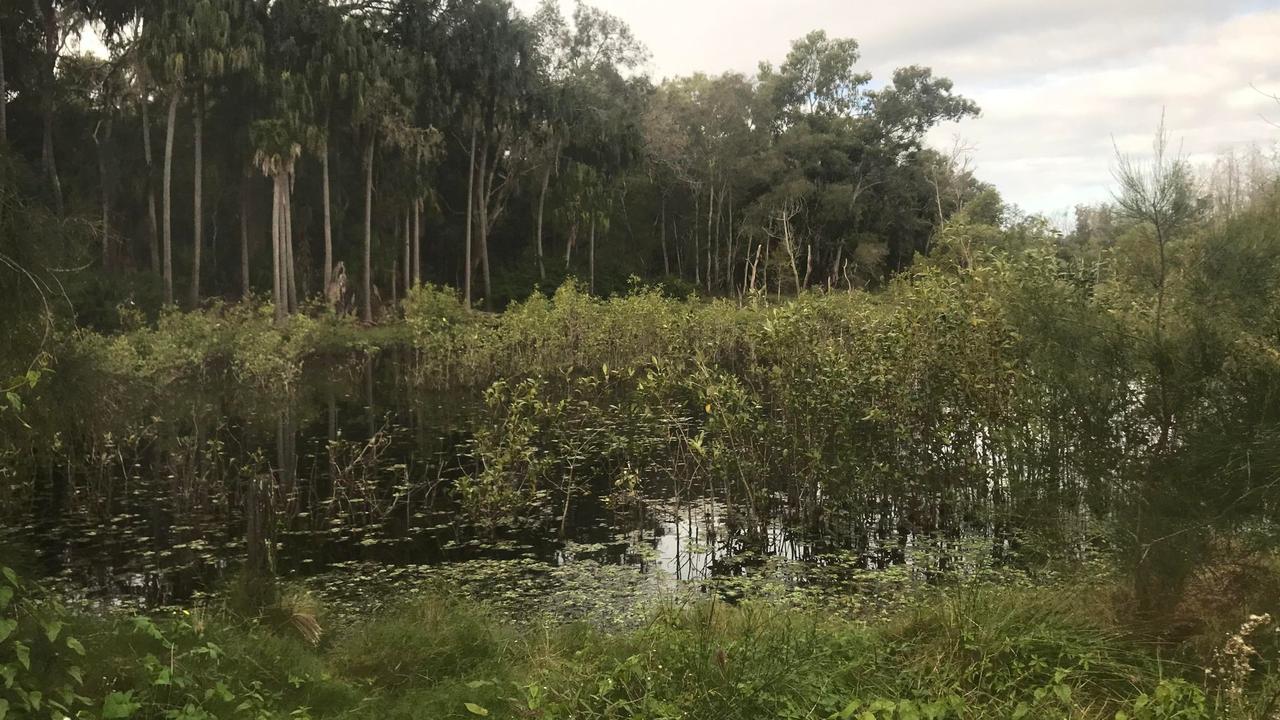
(1058, 82)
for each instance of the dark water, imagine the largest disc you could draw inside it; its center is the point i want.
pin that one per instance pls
(359, 467)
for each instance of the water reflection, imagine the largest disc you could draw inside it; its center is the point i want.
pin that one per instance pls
(351, 472)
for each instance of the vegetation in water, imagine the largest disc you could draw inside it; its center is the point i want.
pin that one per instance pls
(721, 397)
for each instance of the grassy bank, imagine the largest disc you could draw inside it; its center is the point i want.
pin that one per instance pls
(963, 653)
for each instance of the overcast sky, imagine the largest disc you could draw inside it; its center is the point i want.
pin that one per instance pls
(1055, 80)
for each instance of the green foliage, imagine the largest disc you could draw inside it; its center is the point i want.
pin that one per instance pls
(992, 654)
(41, 662)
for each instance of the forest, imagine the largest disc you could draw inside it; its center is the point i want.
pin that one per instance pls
(429, 359)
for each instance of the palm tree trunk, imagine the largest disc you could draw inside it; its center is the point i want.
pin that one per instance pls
(286, 236)
(105, 192)
(4, 97)
(197, 195)
(471, 185)
(417, 242)
(168, 195)
(244, 238)
(47, 102)
(483, 208)
(408, 248)
(151, 180)
(277, 291)
(367, 279)
(328, 223)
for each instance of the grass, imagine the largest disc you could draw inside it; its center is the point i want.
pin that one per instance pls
(991, 653)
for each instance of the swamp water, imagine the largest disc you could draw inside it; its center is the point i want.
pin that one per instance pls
(353, 478)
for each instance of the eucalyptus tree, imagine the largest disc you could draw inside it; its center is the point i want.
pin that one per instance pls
(579, 67)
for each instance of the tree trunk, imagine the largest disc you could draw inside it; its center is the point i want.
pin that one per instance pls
(591, 258)
(286, 236)
(47, 87)
(103, 176)
(483, 207)
(569, 242)
(693, 235)
(197, 194)
(151, 181)
(408, 249)
(244, 239)
(328, 223)
(4, 97)
(174, 96)
(542, 203)
(711, 248)
(277, 289)
(417, 242)
(471, 204)
(666, 263)
(367, 279)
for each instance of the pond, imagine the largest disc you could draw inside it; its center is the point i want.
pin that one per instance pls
(359, 467)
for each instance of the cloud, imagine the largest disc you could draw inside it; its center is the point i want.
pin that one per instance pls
(1056, 81)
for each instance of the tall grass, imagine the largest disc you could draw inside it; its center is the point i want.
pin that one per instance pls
(977, 654)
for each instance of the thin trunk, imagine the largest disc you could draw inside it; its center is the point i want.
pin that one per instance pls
(732, 240)
(542, 205)
(471, 204)
(290, 268)
(417, 242)
(666, 262)
(711, 214)
(693, 235)
(808, 264)
(408, 249)
(244, 239)
(366, 312)
(4, 97)
(675, 230)
(328, 222)
(168, 196)
(197, 195)
(591, 255)
(102, 144)
(151, 180)
(277, 292)
(49, 18)
(483, 198)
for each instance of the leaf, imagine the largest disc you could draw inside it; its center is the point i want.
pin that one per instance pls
(117, 706)
(475, 709)
(11, 576)
(6, 596)
(24, 654)
(7, 627)
(52, 629)
(4, 708)
(75, 646)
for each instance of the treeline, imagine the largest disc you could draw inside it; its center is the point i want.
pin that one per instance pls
(230, 147)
